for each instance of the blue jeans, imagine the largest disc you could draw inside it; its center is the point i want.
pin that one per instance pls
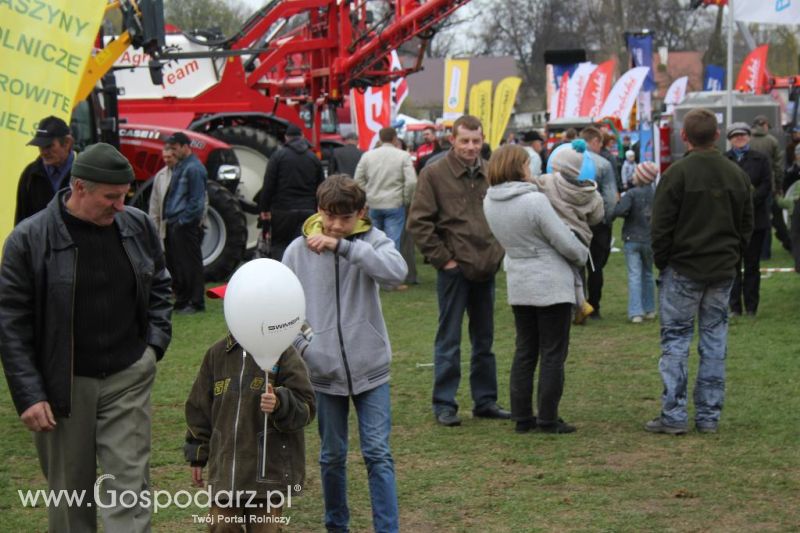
(641, 287)
(680, 299)
(457, 294)
(390, 221)
(374, 426)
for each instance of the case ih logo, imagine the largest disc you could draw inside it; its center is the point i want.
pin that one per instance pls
(140, 134)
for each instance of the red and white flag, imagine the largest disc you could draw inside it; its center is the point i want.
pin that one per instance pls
(753, 74)
(676, 93)
(622, 96)
(577, 84)
(596, 90)
(377, 107)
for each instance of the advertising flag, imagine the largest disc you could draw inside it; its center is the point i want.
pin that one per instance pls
(398, 88)
(480, 105)
(597, 89)
(575, 88)
(504, 97)
(456, 76)
(753, 73)
(714, 78)
(767, 11)
(641, 48)
(676, 93)
(42, 61)
(373, 111)
(563, 68)
(622, 96)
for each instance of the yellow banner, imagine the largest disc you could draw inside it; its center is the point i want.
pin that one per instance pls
(456, 75)
(480, 105)
(44, 46)
(504, 97)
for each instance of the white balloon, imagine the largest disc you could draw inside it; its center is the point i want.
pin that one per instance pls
(264, 308)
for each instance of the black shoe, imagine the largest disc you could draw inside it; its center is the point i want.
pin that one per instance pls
(190, 310)
(492, 411)
(448, 419)
(596, 315)
(525, 426)
(558, 427)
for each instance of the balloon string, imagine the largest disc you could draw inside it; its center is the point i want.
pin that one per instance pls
(264, 450)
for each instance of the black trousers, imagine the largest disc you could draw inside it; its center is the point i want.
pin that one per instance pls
(286, 226)
(600, 249)
(185, 264)
(749, 284)
(542, 336)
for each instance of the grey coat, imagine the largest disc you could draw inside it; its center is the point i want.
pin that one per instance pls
(350, 351)
(539, 247)
(636, 207)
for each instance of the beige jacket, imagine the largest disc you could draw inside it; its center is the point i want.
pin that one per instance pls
(579, 206)
(158, 194)
(387, 174)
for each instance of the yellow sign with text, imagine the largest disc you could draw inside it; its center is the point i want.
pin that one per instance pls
(504, 97)
(456, 76)
(44, 45)
(480, 105)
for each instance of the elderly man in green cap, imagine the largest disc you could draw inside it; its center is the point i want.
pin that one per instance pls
(84, 316)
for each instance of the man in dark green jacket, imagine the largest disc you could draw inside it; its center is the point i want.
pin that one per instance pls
(702, 219)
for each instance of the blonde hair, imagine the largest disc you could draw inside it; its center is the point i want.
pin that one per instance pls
(508, 163)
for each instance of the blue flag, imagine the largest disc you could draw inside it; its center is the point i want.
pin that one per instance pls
(560, 69)
(641, 48)
(714, 78)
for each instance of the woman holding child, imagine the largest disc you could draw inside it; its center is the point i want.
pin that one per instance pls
(540, 249)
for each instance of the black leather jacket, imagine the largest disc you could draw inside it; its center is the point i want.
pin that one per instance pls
(37, 279)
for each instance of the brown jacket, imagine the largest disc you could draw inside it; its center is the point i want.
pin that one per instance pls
(230, 383)
(447, 221)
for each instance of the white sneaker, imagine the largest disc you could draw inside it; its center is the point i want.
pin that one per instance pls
(637, 320)
(649, 316)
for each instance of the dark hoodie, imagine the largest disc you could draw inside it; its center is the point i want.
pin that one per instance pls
(292, 177)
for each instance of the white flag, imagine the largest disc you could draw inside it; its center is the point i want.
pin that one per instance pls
(767, 11)
(623, 94)
(577, 83)
(677, 91)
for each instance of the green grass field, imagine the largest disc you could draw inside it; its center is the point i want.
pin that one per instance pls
(609, 476)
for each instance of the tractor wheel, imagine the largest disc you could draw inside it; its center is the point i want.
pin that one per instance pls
(226, 233)
(253, 148)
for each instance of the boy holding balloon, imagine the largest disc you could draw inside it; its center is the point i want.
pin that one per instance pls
(224, 414)
(341, 260)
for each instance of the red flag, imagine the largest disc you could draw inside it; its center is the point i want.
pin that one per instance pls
(562, 95)
(753, 75)
(372, 110)
(597, 89)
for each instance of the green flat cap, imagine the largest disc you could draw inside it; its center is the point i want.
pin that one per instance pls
(102, 163)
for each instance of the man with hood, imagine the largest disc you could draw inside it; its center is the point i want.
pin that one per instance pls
(290, 184)
(767, 144)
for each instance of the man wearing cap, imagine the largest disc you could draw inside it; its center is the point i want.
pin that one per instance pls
(50, 171)
(765, 143)
(756, 165)
(345, 158)
(84, 316)
(289, 195)
(184, 207)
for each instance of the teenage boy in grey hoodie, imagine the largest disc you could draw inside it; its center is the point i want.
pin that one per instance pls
(341, 260)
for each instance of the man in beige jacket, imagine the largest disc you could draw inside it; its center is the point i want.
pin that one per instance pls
(387, 175)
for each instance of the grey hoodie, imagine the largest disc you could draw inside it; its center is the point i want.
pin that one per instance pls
(577, 203)
(539, 247)
(349, 352)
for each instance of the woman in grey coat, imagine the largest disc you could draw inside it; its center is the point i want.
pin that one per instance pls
(539, 251)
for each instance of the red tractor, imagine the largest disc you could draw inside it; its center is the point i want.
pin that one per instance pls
(293, 62)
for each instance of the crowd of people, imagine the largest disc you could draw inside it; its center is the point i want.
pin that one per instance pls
(86, 294)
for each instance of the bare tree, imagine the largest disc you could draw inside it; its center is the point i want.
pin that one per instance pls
(226, 16)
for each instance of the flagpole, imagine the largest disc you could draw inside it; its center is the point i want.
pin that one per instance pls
(729, 97)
